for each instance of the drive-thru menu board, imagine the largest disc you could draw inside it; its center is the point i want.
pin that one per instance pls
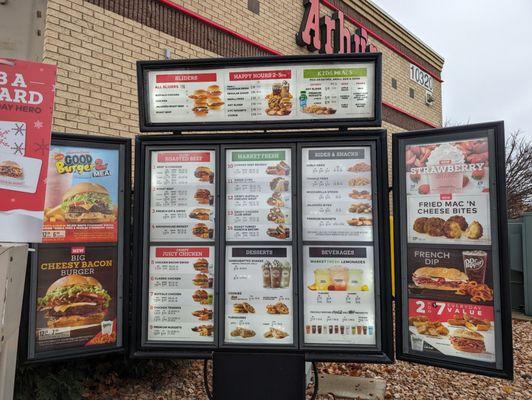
(196, 93)
(450, 260)
(337, 206)
(180, 292)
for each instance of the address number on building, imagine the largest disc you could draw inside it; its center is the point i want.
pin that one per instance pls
(421, 77)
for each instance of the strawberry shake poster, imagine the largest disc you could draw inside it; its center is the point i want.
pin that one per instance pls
(26, 109)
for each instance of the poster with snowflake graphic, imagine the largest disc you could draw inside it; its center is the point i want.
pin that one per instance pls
(26, 108)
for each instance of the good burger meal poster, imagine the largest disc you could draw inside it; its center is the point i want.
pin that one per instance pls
(76, 303)
(26, 108)
(82, 195)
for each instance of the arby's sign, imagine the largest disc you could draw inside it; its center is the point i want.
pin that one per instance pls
(328, 34)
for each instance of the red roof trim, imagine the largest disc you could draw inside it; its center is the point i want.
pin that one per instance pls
(271, 51)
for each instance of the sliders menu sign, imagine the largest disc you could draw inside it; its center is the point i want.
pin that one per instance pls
(76, 290)
(213, 94)
(452, 222)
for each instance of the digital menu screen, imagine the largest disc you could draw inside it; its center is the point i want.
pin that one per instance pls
(259, 305)
(448, 262)
(266, 93)
(259, 195)
(181, 270)
(182, 196)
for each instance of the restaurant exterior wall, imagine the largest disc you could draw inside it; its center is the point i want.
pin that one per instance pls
(96, 43)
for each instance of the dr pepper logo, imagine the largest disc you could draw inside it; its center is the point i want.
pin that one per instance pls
(80, 163)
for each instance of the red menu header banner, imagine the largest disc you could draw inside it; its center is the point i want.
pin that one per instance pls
(260, 75)
(190, 78)
(184, 157)
(187, 252)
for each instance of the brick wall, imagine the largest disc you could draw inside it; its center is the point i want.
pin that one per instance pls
(95, 51)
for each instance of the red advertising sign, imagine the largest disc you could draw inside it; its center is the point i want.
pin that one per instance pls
(26, 108)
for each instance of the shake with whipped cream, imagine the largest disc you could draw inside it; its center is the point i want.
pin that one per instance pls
(444, 176)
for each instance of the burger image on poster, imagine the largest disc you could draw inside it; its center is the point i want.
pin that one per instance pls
(74, 300)
(446, 179)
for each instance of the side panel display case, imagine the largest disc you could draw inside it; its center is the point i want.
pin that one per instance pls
(76, 286)
(452, 249)
(228, 229)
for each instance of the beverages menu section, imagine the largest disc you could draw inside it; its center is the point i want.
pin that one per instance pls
(286, 92)
(449, 265)
(180, 293)
(259, 306)
(258, 195)
(182, 196)
(180, 298)
(337, 205)
(337, 194)
(339, 295)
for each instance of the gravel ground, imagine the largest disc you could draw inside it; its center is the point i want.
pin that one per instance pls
(404, 380)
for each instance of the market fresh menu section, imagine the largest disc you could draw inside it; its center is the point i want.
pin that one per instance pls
(321, 91)
(337, 194)
(181, 294)
(339, 295)
(259, 307)
(182, 196)
(258, 195)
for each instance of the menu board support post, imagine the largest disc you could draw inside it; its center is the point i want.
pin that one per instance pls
(451, 249)
(259, 376)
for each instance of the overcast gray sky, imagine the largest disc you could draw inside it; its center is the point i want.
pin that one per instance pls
(487, 46)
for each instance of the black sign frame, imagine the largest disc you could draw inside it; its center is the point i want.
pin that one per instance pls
(494, 131)
(188, 350)
(143, 67)
(27, 353)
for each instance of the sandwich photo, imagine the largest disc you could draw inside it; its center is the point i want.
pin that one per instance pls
(87, 203)
(276, 200)
(202, 297)
(204, 174)
(10, 169)
(476, 324)
(438, 278)
(214, 91)
(281, 168)
(199, 94)
(204, 196)
(279, 185)
(202, 231)
(202, 214)
(74, 300)
(215, 103)
(279, 232)
(201, 265)
(200, 108)
(276, 215)
(467, 341)
(203, 315)
(202, 280)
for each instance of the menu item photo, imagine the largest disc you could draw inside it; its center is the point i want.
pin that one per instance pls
(258, 294)
(182, 194)
(81, 203)
(258, 194)
(332, 178)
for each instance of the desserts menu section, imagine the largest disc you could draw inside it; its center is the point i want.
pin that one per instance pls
(182, 196)
(180, 294)
(337, 194)
(266, 93)
(449, 266)
(258, 195)
(339, 295)
(259, 295)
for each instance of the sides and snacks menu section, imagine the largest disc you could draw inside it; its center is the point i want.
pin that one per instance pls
(449, 263)
(338, 280)
(259, 304)
(269, 93)
(181, 261)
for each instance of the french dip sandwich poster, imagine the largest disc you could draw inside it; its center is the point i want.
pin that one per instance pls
(26, 108)
(82, 195)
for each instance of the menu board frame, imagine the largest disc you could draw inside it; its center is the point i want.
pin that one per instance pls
(494, 132)
(144, 67)
(345, 137)
(382, 351)
(27, 343)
